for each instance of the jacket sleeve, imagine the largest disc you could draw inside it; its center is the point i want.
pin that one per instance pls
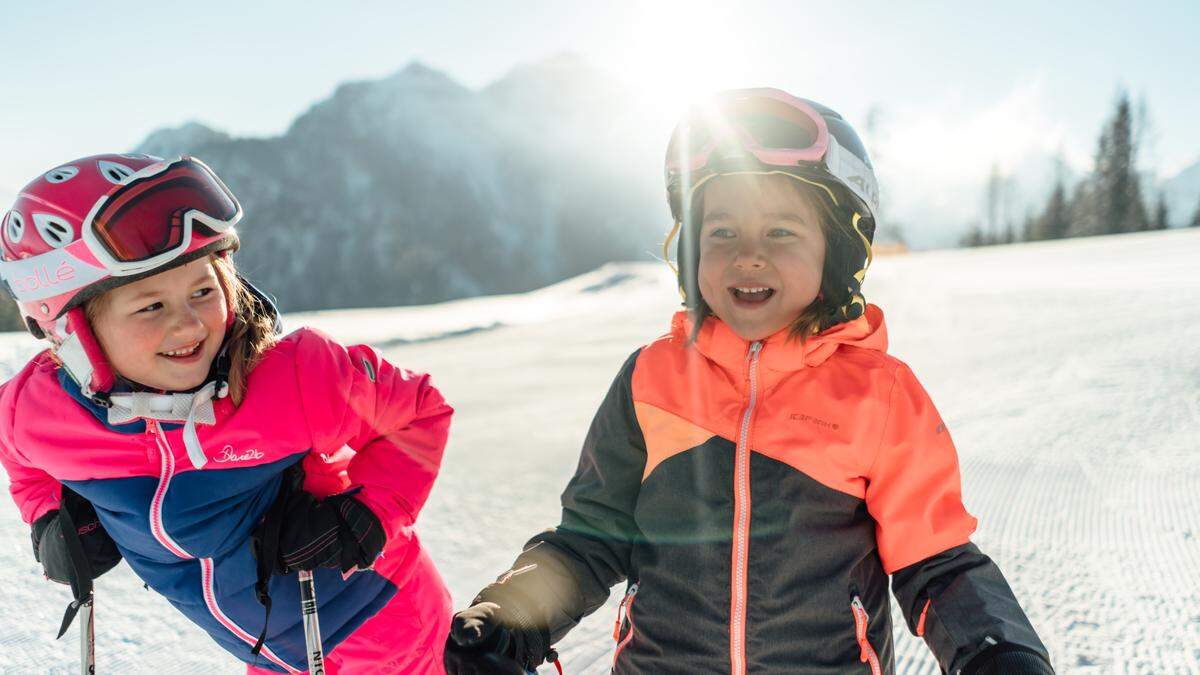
(565, 573)
(949, 592)
(34, 491)
(392, 420)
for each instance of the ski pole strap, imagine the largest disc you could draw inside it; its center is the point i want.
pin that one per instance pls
(268, 552)
(81, 569)
(268, 546)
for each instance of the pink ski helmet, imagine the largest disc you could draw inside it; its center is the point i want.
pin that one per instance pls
(100, 222)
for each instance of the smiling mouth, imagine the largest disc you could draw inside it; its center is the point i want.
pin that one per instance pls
(751, 294)
(184, 352)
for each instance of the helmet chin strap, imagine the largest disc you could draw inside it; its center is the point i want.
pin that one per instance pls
(76, 347)
(190, 408)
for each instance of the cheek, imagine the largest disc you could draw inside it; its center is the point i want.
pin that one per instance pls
(129, 341)
(709, 272)
(214, 316)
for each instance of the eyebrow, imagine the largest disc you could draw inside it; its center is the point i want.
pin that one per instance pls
(786, 215)
(717, 215)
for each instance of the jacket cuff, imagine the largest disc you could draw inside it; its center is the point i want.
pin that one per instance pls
(1007, 658)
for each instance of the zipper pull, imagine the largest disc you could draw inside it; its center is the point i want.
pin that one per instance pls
(755, 348)
(751, 355)
(860, 627)
(623, 609)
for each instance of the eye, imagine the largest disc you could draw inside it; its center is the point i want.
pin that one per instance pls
(203, 292)
(722, 233)
(150, 308)
(780, 232)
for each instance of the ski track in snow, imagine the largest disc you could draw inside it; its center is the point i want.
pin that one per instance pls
(1068, 372)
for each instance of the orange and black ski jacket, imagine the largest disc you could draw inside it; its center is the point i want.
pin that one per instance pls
(756, 497)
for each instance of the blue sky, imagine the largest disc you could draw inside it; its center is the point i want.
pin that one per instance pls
(959, 87)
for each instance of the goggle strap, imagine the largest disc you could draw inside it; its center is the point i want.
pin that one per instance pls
(853, 173)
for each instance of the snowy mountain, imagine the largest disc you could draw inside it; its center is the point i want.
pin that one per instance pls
(1183, 194)
(415, 189)
(1076, 439)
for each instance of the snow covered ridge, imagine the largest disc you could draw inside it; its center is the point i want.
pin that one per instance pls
(1067, 372)
(589, 293)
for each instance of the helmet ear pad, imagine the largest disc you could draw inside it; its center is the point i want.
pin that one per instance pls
(75, 346)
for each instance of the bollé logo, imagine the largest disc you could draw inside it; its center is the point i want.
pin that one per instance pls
(42, 278)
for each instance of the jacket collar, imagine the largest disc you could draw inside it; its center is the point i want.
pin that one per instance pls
(780, 352)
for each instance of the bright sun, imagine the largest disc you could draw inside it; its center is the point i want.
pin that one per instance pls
(673, 54)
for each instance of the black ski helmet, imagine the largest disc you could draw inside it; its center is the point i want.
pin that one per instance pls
(763, 131)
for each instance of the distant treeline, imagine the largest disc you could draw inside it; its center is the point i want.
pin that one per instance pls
(1109, 200)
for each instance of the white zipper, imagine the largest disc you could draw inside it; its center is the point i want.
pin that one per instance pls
(741, 530)
(165, 473)
(159, 530)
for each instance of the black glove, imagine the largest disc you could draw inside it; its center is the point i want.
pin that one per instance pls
(50, 546)
(338, 531)
(484, 642)
(1008, 659)
(74, 549)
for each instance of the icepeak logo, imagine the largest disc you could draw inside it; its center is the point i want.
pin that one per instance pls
(801, 417)
(228, 454)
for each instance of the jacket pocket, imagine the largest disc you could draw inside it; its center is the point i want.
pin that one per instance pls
(866, 651)
(624, 618)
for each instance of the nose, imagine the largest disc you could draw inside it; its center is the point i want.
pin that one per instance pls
(187, 323)
(750, 254)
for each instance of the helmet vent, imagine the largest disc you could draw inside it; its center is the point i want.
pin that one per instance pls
(15, 227)
(56, 231)
(114, 172)
(62, 174)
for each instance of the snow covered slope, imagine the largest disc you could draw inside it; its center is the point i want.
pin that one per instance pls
(1068, 371)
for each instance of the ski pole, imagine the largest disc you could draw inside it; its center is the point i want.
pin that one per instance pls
(312, 625)
(87, 637)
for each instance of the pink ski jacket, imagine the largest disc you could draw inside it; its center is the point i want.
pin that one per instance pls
(182, 518)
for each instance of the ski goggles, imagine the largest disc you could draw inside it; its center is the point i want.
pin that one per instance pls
(767, 125)
(152, 217)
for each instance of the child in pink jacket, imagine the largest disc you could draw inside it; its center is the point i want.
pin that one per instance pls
(170, 426)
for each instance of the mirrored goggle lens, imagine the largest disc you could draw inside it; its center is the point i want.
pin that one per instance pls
(146, 217)
(765, 123)
(774, 124)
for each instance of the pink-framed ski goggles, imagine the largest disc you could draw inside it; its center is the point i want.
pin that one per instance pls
(152, 217)
(770, 127)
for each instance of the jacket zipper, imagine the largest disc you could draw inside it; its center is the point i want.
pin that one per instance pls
(866, 651)
(165, 473)
(625, 607)
(159, 531)
(741, 525)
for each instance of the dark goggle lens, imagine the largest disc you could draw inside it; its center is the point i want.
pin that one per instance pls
(145, 218)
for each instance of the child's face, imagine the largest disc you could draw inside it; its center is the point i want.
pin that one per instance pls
(143, 326)
(759, 232)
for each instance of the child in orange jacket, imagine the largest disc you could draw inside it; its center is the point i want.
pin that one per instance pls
(757, 474)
